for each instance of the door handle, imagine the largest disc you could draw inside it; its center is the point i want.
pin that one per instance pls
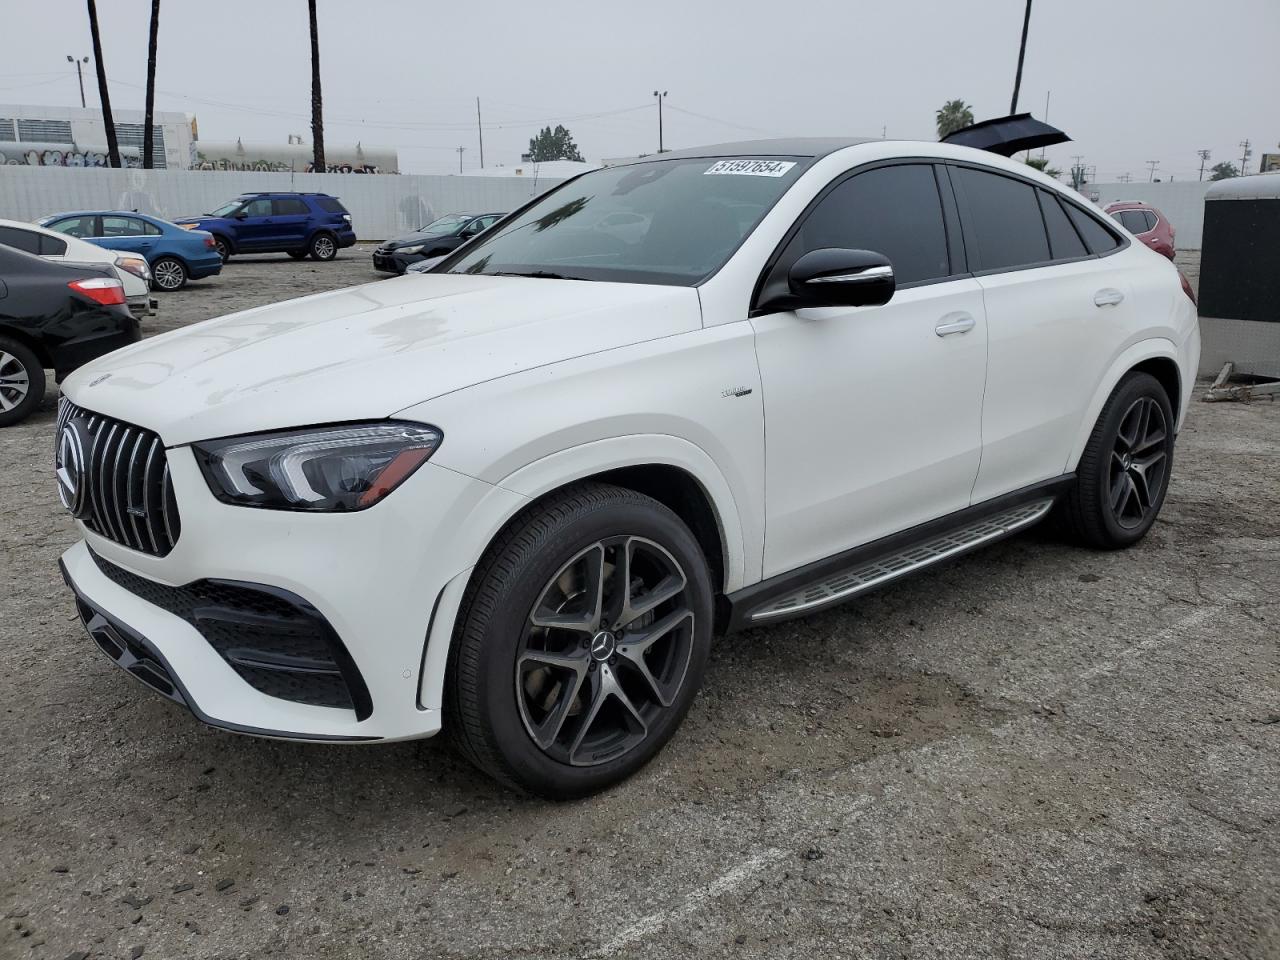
(1108, 297)
(954, 323)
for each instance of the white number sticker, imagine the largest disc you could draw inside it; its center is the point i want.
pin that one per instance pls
(751, 168)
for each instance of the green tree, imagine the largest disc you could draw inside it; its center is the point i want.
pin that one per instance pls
(554, 144)
(954, 115)
(1042, 164)
(1224, 171)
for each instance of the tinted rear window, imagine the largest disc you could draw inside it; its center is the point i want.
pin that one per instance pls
(1064, 242)
(330, 205)
(25, 240)
(1004, 220)
(290, 207)
(1097, 237)
(52, 246)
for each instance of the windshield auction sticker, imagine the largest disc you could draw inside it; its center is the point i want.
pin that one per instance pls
(751, 168)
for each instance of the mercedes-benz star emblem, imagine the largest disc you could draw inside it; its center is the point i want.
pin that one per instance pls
(70, 467)
(602, 645)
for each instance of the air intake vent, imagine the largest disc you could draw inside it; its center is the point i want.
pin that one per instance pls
(129, 492)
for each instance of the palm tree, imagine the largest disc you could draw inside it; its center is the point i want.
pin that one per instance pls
(148, 133)
(1042, 164)
(954, 115)
(317, 103)
(113, 148)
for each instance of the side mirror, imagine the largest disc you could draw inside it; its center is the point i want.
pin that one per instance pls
(835, 277)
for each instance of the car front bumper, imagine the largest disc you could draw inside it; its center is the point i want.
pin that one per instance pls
(394, 261)
(385, 580)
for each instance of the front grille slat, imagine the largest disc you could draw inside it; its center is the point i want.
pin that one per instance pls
(129, 488)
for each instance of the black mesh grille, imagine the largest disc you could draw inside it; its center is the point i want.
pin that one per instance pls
(278, 643)
(130, 492)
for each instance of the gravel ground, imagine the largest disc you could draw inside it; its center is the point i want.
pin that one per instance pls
(1039, 751)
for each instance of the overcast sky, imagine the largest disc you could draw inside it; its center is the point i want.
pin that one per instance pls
(1131, 80)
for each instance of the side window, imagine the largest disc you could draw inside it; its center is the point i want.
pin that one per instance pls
(1064, 242)
(289, 207)
(1133, 221)
(76, 226)
(1096, 237)
(122, 227)
(1004, 221)
(20, 239)
(52, 246)
(258, 208)
(1151, 219)
(150, 229)
(893, 210)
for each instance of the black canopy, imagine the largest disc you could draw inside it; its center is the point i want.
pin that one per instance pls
(1007, 135)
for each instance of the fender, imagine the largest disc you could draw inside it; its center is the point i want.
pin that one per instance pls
(1131, 356)
(555, 470)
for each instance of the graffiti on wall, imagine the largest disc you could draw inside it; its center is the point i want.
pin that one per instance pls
(278, 166)
(60, 158)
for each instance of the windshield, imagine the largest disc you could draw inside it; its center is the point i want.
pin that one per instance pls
(665, 221)
(226, 209)
(445, 224)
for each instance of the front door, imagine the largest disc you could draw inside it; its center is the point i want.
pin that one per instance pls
(872, 414)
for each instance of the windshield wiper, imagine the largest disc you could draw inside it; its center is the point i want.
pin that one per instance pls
(539, 274)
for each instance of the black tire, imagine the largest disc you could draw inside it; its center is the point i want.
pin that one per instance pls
(1110, 471)
(485, 703)
(323, 246)
(223, 246)
(21, 382)
(298, 254)
(169, 274)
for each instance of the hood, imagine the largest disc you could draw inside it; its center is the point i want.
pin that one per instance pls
(364, 353)
(409, 239)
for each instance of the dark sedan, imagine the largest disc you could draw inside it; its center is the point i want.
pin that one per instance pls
(56, 316)
(437, 238)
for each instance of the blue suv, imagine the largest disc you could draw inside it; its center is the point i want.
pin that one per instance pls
(294, 223)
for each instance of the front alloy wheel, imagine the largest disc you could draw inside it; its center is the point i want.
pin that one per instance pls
(605, 651)
(581, 642)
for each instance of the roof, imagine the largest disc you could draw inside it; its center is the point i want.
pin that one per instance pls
(1258, 186)
(790, 147)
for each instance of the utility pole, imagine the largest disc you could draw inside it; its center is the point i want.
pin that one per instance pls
(1247, 147)
(461, 150)
(1125, 177)
(1022, 52)
(661, 96)
(148, 125)
(480, 132)
(79, 75)
(1151, 169)
(1077, 172)
(1204, 158)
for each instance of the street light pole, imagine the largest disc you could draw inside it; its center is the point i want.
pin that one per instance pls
(1022, 53)
(79, 75)
(661, 96)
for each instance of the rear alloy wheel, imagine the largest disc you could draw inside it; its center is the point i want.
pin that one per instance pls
(169, 274)
(582, 643)
(323, 247)
(1123, 475)
(224, 249)
(21, 382)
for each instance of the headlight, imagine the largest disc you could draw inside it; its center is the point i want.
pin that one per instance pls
(416, 248)
(330, 469)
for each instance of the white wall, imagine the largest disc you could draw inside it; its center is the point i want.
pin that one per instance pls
(1182, 203)
(381, 206)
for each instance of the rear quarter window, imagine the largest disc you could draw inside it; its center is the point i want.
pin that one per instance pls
(1097, 237)
(330, 205)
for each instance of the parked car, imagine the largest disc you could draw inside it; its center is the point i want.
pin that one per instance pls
(175, 255)
(294, 223)
(513, 498)
(440, 236)
(1146, 223)
(132, 269)
(54, 316)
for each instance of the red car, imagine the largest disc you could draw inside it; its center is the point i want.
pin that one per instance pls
(1146, 223)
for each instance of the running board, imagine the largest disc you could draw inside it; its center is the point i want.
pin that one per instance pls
(868, 574)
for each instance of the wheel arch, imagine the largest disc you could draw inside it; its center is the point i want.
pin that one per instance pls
(35, 344)
(1156, 356)
(225, 238)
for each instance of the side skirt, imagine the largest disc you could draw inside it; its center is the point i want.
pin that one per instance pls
(824, 583)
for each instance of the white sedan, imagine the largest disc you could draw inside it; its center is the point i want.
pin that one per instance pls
(514, 498)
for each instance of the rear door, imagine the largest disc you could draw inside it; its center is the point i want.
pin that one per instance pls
(292, 224)
(133, 234)
(872, 414)
(1053, 299)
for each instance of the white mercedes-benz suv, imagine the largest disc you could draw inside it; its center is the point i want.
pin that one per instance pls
(515, 497)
